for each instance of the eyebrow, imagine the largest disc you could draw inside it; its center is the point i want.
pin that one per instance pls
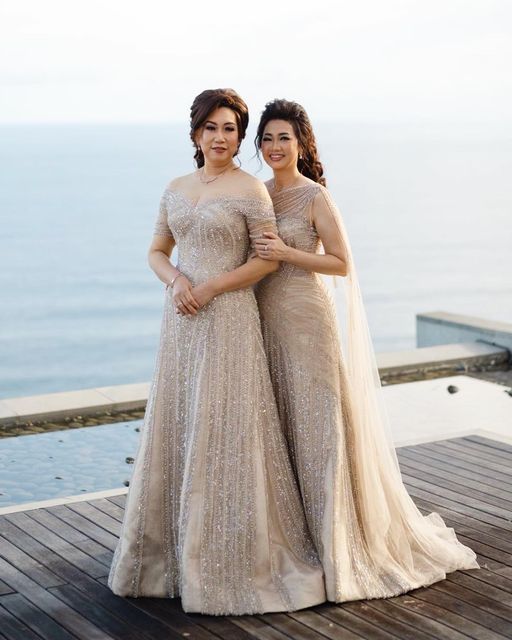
(282, 133)
(215, 123)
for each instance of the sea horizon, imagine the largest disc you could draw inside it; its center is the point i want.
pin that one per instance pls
(427, 210)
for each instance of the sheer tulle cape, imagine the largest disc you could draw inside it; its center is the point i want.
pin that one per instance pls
(382, 544)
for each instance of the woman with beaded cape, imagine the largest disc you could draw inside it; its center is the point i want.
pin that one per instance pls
(372, 540)
(213, 512)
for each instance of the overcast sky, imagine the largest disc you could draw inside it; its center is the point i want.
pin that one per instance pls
(126, 61)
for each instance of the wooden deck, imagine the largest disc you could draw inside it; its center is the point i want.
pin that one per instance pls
(54, 562)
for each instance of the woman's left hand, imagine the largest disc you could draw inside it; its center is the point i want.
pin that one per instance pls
(271, 247)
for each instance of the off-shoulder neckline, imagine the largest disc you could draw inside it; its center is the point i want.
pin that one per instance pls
(199, 202)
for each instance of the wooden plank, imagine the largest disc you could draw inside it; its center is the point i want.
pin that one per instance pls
(26, 563)
(4, 588)
(475, 535)
(13, 628)
(101, 617)
(484, 507)
(457, 464)
(478, 601)
(470, 494)
(489, 443)
(382, 619)
(102, 595)
(176, 620)
(351, 623)
(488, 590)
(458, 507)
(93, 531)
(476, 623)
(109, 508)
(459, 456)
(449, 620)
(454, 472)
(70, 534)
(419, 616)
(500, 536)
(49, 604)
(414, 467)
(481, 455)
(38, 621)
(119, 500)
(469, 445)
(488, 577)
(61, 547)
(220, 626)
(96, 516)
(287, 625)
(258, 629)
(327, 626)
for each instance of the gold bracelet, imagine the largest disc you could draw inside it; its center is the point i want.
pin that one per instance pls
(174, 279)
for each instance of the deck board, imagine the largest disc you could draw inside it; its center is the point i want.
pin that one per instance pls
(54, 564)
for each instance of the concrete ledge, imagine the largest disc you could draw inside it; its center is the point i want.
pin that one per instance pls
(440, 327)
(53, 502)
(394, 367)
(87, 402)
(440, 360)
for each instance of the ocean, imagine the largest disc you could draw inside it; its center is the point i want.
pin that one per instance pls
(428, 209)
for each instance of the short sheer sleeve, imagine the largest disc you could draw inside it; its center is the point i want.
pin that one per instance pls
(260, 217)
(161, 224)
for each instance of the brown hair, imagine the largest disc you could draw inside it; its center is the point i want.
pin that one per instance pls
(208, 101)
(308, 163)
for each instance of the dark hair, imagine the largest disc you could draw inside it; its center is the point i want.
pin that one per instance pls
(308, 163)
(208, 101)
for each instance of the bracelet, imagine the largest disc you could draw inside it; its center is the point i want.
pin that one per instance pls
(174, 279)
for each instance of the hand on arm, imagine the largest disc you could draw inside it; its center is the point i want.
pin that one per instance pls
(244, 276)
(325, 219)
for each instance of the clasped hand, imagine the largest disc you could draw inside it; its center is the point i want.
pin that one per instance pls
(271, 247)
(188, 299)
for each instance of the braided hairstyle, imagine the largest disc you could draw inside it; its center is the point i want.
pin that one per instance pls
(207, 102)
(308, 162)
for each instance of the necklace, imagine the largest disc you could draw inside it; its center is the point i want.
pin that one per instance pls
(276, 189)
(201, 175)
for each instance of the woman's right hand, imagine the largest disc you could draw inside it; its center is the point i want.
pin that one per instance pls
(182, 297)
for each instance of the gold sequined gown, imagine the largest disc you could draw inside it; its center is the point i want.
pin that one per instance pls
(360, 559)
(213, 513)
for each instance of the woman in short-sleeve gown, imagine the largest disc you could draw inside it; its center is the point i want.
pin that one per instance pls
(213, 513)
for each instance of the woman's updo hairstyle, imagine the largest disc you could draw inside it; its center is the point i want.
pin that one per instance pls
(207, 102)
(308, 163)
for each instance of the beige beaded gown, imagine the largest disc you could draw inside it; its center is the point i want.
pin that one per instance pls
(213, 513)
(372, 540)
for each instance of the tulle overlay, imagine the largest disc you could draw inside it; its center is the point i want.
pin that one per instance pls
(213, 512)
(372, 540)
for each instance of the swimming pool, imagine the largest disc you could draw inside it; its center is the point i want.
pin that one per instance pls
(69, 462)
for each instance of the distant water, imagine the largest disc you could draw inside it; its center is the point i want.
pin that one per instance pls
(429, 212)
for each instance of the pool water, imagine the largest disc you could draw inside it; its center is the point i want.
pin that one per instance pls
(70, 462)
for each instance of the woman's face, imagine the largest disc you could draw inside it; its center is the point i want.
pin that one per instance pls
(218, 137)
(279, 145)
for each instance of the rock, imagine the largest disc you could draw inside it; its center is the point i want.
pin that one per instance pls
(137, 429)
(451, 388)
(126, 483)
(129, 460)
